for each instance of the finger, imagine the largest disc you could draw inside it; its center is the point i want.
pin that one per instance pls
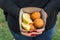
(37, 33)
(25, 34)
(33, 34)
(40, 30)
(40, 33)
(29, 34)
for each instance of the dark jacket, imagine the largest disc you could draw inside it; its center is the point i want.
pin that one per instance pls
(12, 7)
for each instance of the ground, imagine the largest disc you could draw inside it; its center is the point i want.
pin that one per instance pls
(5, 33)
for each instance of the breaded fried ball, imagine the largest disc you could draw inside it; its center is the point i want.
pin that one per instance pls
(35, 15)
(39, 23)
(32, 27)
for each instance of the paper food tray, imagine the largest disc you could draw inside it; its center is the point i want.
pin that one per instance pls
(30, 10)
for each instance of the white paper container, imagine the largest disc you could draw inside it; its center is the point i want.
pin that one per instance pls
(30, 10)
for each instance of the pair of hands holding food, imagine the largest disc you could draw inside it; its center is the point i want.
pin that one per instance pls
(37, 31)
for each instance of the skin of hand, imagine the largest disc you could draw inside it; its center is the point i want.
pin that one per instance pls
(33, 34)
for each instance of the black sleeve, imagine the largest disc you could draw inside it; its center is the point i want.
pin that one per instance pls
(51, 6)
(1, 2)
(10, 7)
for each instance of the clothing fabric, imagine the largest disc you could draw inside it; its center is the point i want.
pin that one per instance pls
(45, 36)
(12, 7)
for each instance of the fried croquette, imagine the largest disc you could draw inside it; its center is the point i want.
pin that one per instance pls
(32, 27)
(35, 15)
(38, 23)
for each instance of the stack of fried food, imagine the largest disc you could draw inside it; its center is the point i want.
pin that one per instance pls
(32, 21)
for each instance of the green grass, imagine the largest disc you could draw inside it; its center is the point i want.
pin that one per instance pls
(6, 35)
(4, 30)
(57, 32)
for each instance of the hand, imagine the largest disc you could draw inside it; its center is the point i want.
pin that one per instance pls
(33, 33)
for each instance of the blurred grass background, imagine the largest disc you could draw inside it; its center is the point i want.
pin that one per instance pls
(6, 35)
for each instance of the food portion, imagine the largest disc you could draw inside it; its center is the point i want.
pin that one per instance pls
(32, 27)
(38, 23)
(26, 18)
(35, 15)
(26, 26)
(32, 21)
